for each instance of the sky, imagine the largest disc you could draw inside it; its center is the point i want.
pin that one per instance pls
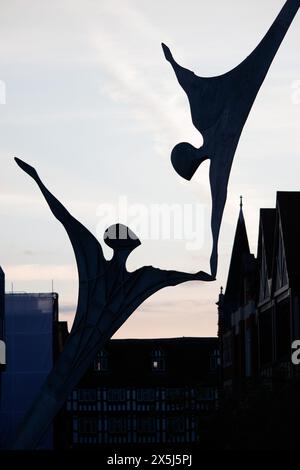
(87, 97)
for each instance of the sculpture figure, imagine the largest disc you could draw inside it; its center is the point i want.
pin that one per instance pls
(108, 295)
(219, 109)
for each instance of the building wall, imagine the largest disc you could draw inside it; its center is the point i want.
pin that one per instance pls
(29, 323)
(139, 415)
(152, 404)
(256, 331)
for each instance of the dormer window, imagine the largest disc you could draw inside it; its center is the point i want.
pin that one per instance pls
(101, 362)
(158, 360)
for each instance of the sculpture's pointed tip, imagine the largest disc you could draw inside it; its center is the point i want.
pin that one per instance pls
(167, 51)
(20, 162)
(25, 167)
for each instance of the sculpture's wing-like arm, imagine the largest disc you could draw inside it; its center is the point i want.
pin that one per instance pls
(87, 249)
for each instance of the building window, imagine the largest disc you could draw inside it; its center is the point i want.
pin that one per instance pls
(248, 353)
(175, 394)
(204, 394)
(214, 360)
(88, 425)
(116, 394)
(158, 360)
(117, 425)
(227, 350)
(87, 395)
(176, 425)
(265, 337)
(101, 362)
(283, 329)
(146, 425)
(145, 394)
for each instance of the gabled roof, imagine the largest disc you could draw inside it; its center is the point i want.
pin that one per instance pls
(288, 206)
(240, 251)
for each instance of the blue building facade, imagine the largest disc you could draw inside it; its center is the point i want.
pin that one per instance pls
(29, 326)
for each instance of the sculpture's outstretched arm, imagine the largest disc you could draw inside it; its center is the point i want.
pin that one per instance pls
(87, 249)
(148, 280)
(172, 278)
(145, 282)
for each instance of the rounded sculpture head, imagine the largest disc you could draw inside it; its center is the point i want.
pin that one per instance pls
(120, 237)
(185, 160)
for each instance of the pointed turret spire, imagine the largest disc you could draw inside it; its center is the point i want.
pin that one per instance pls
(239, 250)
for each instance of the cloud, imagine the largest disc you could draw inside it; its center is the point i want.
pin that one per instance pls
(172, 307)
(18, 199)
(38, 272)
(67, 310)
(152, 101)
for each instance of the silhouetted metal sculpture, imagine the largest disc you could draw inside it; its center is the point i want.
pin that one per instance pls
(219, 108)
(108, 295)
